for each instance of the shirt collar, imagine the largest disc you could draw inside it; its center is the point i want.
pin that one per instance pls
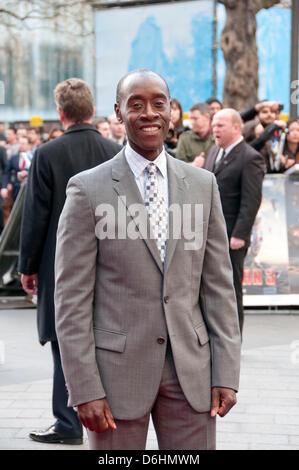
(229, 149)
(138, 163)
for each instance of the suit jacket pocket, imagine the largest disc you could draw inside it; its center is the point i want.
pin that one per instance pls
(110, 340)
(202, 333)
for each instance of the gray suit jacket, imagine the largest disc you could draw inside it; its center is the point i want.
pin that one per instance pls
(115, 303)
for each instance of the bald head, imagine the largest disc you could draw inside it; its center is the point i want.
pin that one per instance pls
(232, 115)
(227, 127)
(126, 79)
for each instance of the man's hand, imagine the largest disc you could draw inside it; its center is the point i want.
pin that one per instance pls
(21, 175)
(4, 193)
(96, 415)
(280, 123)
(30, 283)
(199, 160)
(273, 105)
(223, 399)
(236, 243)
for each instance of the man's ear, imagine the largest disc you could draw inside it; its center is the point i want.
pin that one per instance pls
(117, 112)
(61, 115)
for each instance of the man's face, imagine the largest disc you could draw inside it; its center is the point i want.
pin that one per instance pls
(23, 145)
(145, 110)
(200, 123)
(266, 115)
(224, 130)
(104, 129)
(21, 132)
(117, 128)
(33, 137)
(10, 136)
(215, 107)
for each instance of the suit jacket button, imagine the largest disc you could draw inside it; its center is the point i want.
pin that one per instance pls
(160, 340)
(166, 299)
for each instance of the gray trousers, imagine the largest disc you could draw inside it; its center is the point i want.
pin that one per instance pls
(177, 425)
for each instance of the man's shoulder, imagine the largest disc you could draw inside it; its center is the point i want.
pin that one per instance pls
(188, 134)
(14, 158)
(250, 153)
(60, 146)
(99, 173)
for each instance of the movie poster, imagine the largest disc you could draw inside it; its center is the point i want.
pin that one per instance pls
(266, 269)
(292, 215)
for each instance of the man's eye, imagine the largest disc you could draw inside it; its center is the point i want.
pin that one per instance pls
(136, 105)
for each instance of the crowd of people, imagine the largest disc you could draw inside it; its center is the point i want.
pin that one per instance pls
(189, 140)
(263, 129)
(17, 146)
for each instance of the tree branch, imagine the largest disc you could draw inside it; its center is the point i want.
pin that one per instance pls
(260, 4)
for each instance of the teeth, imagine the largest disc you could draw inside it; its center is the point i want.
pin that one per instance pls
(149, 129)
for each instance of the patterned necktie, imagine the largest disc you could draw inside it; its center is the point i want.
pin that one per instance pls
(157, 209)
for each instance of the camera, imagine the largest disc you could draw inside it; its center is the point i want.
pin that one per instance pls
(170, 134)
(280, 107)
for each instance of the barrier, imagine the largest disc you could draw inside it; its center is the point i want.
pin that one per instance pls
(271, 270)
(9, 247)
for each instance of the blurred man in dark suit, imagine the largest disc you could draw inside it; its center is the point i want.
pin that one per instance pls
(54, 163)
(239, 170)
(16, 170)
(2, 168)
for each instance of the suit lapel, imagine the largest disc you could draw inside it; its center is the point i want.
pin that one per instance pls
(124, 184)
(178, 190)
(229, 158)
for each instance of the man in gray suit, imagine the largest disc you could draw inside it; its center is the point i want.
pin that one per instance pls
(146, 313)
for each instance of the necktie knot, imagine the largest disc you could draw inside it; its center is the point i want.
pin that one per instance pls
(151, 169)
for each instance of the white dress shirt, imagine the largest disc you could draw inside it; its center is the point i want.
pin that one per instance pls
(138, 165)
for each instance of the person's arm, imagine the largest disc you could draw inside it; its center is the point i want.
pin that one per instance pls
(218, 304)
(6, 174)
(259, 142)
(3, 159)
(36, 214)
(75, 274)
(251, 195)
(248, 114)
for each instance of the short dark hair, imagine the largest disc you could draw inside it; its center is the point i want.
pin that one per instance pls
(135, 72)
(213, 99)
(203, 108)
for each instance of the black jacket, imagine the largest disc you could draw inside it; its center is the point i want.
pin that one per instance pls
(54, 163)
(240, 179)
(10, 175)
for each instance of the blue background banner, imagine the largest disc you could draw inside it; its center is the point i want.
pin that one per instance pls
(175, 40)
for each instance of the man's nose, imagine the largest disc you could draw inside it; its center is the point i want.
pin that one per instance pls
(149, 111)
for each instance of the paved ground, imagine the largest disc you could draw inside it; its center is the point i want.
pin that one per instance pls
(266, 416)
